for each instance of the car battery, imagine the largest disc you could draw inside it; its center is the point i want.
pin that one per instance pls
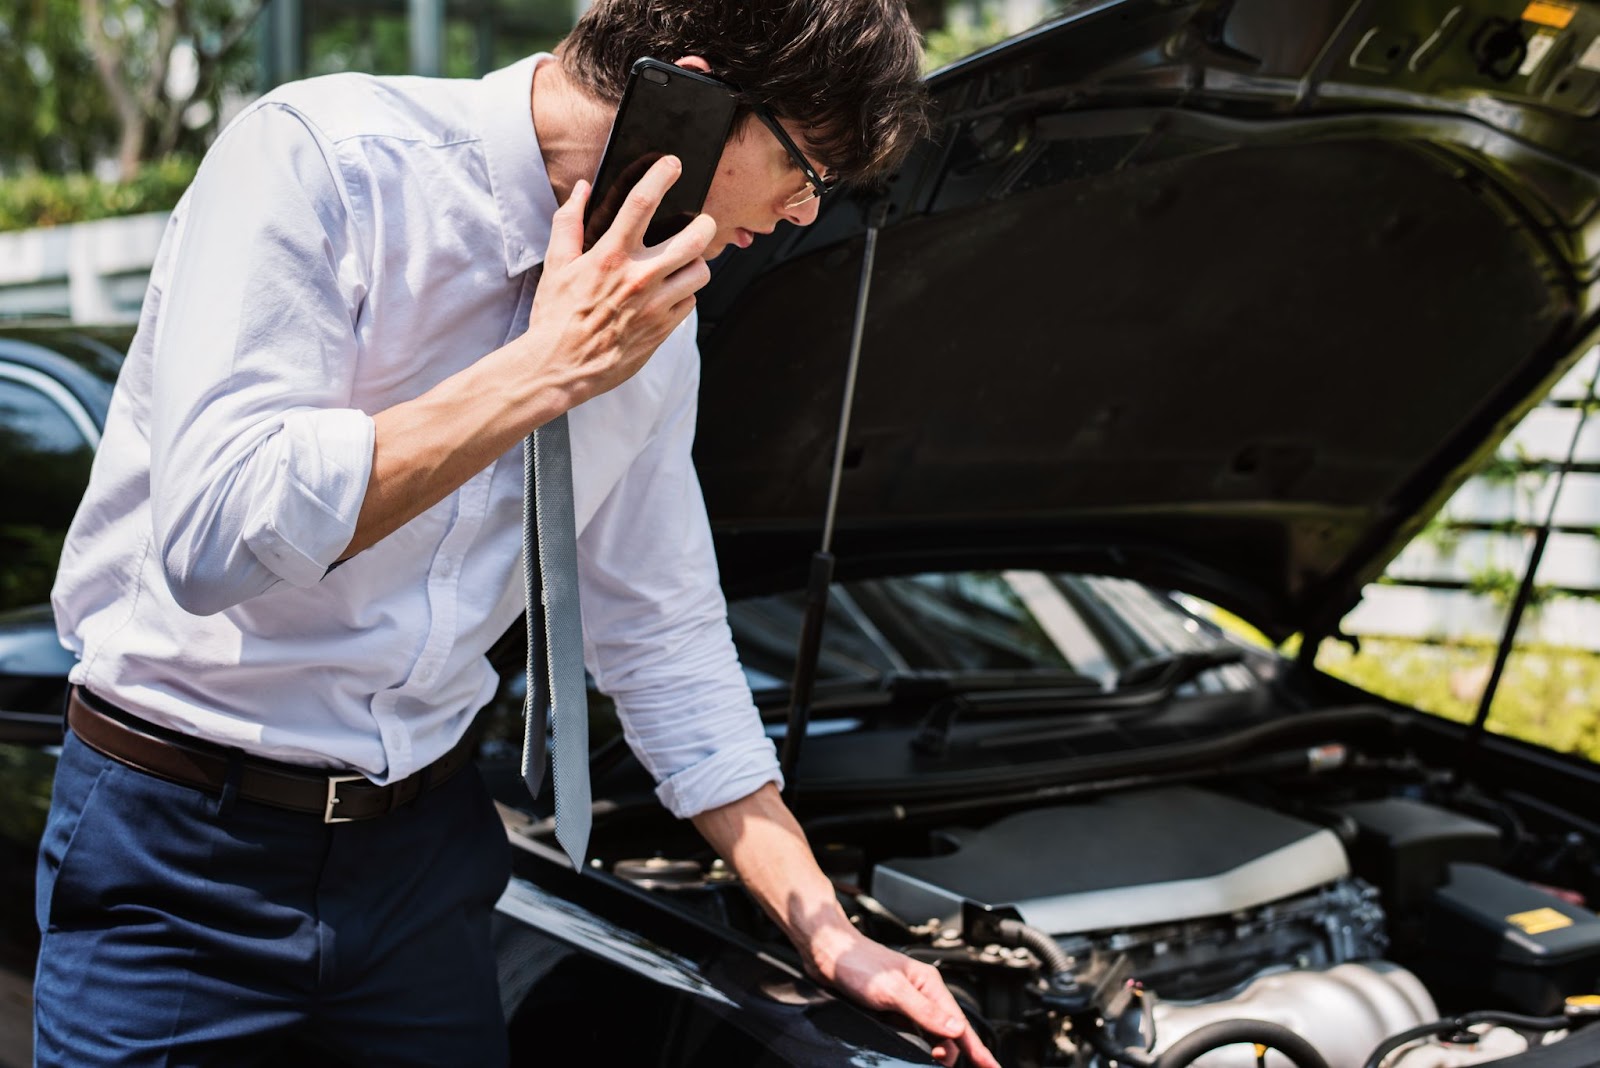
(1491, 935)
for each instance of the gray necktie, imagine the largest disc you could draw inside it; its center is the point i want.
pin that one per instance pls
(555, 635)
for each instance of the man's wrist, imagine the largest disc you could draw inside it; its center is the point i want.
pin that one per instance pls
(824, 941)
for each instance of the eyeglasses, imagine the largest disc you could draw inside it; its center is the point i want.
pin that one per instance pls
(816, 185)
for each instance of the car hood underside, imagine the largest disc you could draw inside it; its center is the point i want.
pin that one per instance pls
(1204, 294)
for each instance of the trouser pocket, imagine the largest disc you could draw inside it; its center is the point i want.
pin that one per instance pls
(78, 775)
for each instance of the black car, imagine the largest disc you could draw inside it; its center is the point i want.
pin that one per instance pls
(1223, 298)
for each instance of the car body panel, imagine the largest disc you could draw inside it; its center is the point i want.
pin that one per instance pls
(577, 945)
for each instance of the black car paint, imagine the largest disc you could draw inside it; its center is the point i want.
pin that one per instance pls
(581, 950)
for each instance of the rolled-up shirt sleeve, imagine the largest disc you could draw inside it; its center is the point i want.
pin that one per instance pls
(656, 630)
(259, 460)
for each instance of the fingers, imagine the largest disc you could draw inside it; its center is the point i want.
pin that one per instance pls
(691, 241)
(566, 228)
(946, 1019)
(943, 1015)
(641, 202)
(685, 281)
(976, 1051)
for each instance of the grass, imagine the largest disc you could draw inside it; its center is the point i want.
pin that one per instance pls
(1549, 695)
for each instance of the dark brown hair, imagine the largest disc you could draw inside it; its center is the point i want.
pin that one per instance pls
(848, 71)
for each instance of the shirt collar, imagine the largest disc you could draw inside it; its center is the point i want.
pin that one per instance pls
(517, 178)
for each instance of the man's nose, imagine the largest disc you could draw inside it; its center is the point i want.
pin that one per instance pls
(805, 214)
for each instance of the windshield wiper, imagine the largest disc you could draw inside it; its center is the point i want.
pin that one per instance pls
(1171, 670)
(955, 693)
(1148, 682)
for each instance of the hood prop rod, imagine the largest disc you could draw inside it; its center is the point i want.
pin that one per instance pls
(821, 576)
(1508, 637)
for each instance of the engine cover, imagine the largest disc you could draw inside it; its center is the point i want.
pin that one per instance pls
(1119, 861)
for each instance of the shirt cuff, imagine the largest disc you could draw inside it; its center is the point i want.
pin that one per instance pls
(723, 777)
(309, 514)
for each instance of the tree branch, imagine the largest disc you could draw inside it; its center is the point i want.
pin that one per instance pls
(107, 59)
(233, 33)
(207, 62)
(168, 23)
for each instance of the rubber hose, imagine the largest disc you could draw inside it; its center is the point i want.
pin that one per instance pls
(1512, 1020)
(1108, 1048)
(1054, 958)
(1196, 1044)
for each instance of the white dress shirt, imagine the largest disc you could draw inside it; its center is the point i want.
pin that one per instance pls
(350, 242)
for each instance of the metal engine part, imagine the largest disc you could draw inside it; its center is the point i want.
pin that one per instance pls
(1344, 1011)
(1493, 1044)
(665, 873)
(1193, 960)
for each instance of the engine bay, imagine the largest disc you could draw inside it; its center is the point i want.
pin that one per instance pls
(1218, 921)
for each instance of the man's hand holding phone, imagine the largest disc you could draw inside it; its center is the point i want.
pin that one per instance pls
(599, 315)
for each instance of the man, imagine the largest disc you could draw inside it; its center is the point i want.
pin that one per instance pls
(303, 532)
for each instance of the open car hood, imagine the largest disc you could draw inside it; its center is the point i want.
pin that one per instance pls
(1224, 296)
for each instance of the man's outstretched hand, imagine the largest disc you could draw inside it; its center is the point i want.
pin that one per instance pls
(879, 978)
(759, 836)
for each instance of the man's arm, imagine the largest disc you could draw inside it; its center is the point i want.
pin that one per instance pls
(596, 318)
(759, 836)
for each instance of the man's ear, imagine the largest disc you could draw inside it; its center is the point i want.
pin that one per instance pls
(694, 63)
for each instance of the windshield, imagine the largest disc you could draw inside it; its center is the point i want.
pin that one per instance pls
(974, 622)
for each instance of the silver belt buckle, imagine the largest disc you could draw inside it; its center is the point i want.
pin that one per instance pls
(333, 798)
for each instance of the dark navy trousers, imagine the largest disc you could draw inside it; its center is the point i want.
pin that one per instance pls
(181, 928)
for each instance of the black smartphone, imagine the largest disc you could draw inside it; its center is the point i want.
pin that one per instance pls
(665, 110)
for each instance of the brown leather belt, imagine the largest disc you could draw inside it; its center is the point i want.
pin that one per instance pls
(336, 797)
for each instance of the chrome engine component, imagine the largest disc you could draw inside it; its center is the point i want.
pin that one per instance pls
(1119, 862)
(1344, 1011)
(664, 873)
(1493, 1044)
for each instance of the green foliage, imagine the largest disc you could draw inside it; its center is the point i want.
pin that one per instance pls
(357, 40)
(165, 66)
(1549, 696)
(87, 80)
(948, 44)
(1500, 469)
(1501, 585)
(1443, 534)
(51, 200)
(54, 113)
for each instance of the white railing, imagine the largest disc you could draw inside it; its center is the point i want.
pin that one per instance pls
(1456, 581)
(93, 272)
